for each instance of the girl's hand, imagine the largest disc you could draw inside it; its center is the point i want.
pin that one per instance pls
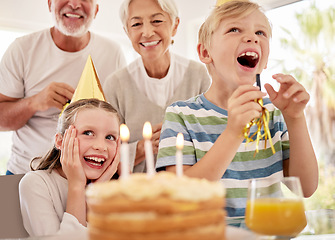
(113, 167)
(291, 99)
(70, 160)
(242, 107)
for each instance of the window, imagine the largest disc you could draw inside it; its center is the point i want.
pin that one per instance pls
(7, 37)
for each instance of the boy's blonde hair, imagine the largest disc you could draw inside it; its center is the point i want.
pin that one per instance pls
(230, 9)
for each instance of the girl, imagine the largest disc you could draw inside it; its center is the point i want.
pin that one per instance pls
(52, 196)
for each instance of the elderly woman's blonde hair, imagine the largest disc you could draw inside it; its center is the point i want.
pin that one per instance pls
(168, 6)
(230, 9)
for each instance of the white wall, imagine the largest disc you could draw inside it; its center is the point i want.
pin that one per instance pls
(32, 15)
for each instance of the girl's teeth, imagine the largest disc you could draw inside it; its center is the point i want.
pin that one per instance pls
(96, 164)
(96, 159)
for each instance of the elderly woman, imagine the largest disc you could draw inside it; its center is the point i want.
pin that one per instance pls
(142, 91)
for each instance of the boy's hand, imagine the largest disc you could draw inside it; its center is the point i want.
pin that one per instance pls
(242, 107)
(291, 99)
(70, 160)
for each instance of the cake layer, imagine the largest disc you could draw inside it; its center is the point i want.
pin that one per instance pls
(149, 222)
(161, 204)
(211, 232)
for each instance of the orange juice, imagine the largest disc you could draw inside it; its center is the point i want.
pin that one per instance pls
(278, 217)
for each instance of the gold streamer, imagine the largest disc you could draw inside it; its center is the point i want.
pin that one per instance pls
(263, 121)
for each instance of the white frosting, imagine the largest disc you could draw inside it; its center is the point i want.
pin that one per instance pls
(140, 187)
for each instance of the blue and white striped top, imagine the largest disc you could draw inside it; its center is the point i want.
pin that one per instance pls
(201, 123)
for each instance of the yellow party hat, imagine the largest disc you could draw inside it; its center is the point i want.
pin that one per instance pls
(89, 85)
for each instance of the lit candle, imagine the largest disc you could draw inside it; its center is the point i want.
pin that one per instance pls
(179, 154)
(124, 134)
(149, 156)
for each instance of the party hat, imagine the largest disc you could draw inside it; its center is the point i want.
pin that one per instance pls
(89, 85)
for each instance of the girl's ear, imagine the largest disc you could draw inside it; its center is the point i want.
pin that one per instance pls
(58, 140)
(203, 53)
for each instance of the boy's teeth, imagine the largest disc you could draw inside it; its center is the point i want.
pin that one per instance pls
(249, 54)
(148, 44)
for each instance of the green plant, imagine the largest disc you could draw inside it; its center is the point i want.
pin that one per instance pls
(312, 48)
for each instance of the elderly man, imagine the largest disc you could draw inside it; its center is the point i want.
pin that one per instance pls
(40, 71)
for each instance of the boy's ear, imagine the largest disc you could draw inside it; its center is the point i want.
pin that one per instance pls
(203, 54)
(58, 140)
(266, 65)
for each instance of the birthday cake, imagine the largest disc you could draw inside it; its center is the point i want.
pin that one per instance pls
(161, 207)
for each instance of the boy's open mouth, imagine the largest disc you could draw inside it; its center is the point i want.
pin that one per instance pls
(248, 59)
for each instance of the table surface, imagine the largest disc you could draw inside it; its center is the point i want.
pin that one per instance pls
(232, 233)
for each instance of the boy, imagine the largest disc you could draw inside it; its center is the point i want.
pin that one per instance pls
(234, 44)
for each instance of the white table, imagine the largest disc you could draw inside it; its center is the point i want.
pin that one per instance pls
(232, 234)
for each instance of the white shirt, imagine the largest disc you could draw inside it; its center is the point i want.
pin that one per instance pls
(43, 198)
(159, 91)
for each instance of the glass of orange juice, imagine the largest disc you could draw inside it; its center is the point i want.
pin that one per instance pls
(275, 208)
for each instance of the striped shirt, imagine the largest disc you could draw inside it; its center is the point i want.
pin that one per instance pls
(201, 123)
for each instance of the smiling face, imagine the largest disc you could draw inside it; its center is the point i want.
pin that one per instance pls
(239, 49)
(150, 29)
(73, 17)
(97, 132)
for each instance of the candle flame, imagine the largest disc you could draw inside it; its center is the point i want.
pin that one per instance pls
(147, 131)
(124, 133)
(180, 141)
